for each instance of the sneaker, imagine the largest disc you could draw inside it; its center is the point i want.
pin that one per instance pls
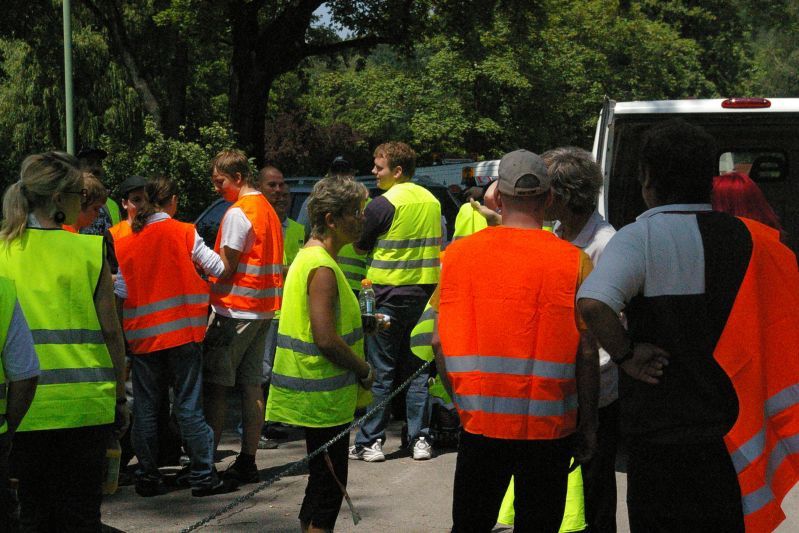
(180, 479)
(265, 443)
(220, 486)
(242, 473)
(149, 486)
(370, 454)
(422, 450)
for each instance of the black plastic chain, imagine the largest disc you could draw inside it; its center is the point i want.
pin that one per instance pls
(297, 465)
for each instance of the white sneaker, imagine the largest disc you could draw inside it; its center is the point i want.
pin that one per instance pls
(370, 454)
(422, 450)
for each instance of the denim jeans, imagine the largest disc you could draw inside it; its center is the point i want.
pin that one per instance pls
(388, 351)
(153, 373)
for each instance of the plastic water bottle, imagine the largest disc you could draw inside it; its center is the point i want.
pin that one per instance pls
(113, 455)
(367, 300)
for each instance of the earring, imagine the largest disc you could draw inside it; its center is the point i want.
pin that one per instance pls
(59, 217)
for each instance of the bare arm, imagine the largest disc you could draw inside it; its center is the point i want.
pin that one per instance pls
(230, 258)
(587, 376)
(322, 298)
(20, 396)
(105, 305)
(647, 361)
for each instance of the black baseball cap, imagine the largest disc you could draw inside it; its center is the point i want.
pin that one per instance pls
(341, 165)
(130, 184)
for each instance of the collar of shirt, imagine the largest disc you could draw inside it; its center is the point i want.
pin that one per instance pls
(682, 208)
(583, 238)
(157, 217)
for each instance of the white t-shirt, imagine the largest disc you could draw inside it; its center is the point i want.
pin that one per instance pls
(592, 239)
(18, 354)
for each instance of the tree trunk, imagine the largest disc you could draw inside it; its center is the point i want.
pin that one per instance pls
(176, 88)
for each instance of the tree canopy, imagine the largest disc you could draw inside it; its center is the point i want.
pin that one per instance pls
(164, 84)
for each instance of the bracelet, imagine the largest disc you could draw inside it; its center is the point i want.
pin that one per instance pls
(627, 355)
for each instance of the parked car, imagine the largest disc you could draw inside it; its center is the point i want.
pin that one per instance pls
(208, 222)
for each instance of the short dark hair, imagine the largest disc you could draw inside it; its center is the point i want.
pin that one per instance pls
(680, 160)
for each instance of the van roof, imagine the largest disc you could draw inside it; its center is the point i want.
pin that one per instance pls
(778, 105)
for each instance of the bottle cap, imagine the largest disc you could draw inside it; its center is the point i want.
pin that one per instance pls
(366, 283)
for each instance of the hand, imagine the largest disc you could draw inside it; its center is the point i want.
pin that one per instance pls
(121, 420)
(646, 363)
(492, 217)
(367, 381)
(585, 444)
(383, 321)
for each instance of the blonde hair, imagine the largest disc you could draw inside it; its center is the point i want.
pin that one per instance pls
(332, 195)
(40, 177)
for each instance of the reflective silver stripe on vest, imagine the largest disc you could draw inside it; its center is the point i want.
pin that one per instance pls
(428, 314)
(741, 459)
(168, 303)
(309, 348)
(166, 327)
(67, 336)
(314, 385)
(76, 375)
(405, 264)
(354, 276)
(786, 398)
(422, 339)
(408, 243)
(256, 270)
(351, 261)
(500, 405)
(237, 290)
(749, 451)
(756, 500)
(510, 365)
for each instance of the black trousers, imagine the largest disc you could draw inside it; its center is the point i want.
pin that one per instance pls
(60, 476)
(683, 487)
(599, 474)
(323, 496)
(482, 474)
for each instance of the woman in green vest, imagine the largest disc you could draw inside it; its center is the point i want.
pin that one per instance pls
(320, 372)
(65, 292)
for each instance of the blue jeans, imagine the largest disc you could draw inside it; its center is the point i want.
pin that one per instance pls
(388, 351)
(153, 373)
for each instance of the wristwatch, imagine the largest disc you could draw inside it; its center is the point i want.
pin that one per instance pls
(626, 356)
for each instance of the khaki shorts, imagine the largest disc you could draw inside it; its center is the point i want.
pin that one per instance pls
(233, 351)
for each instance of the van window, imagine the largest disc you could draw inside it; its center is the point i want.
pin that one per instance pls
(757, 164)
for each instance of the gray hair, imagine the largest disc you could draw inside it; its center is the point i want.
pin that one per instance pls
(332, 195)
(576, 177)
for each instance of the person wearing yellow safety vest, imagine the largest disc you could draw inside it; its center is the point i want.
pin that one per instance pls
(65, 291)
(469, 220)
(402, 235)
(243, 302)
(19, 373)
(274, 187)
(320, 370)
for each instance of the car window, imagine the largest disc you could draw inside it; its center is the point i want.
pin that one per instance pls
(207, 223)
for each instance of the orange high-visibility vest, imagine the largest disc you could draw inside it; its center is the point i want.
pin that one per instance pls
(123, 229)
(257, 284)
(68, 228)
(759, 351)
(509, 334)
(167, 303)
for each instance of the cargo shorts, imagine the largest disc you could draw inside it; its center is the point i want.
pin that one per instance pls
(233, 351)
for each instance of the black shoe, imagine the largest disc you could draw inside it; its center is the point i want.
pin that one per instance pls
(222, 486)
(242, 473)
(148, 487)
(179, 480)
(265, 443)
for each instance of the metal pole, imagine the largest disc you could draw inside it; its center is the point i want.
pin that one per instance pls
(68, 93)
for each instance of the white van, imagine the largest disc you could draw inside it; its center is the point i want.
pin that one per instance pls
(756, 136)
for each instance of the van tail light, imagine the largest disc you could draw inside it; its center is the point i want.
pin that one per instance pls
(745, 103)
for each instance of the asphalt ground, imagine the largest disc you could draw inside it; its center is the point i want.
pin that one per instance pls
(398, 495)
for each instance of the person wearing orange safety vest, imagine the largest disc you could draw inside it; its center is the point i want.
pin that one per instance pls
(524, 376)
(132, 192)
(708, 381)
(243, 302)
(164, 320)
